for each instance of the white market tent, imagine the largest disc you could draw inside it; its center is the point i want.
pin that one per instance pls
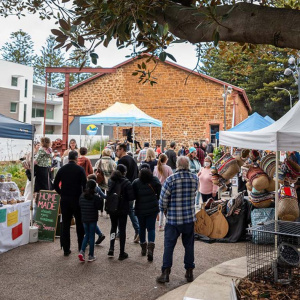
(121, 114)
(283, 135)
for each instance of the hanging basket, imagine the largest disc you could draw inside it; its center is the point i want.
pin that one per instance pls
(268, 164)
(288, 209)
(258, 178)
(227, 166)
(261, 200)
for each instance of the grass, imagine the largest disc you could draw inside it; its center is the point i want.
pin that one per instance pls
(95, 147)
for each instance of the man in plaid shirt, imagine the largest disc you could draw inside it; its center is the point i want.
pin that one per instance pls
(142, 154)
(177, 201)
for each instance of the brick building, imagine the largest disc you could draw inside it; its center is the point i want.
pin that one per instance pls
(190, 110)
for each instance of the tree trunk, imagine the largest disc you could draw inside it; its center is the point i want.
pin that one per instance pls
(246, 23)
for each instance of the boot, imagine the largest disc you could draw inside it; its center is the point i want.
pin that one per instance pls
(164, 277)
(151, 247)
(189, 275)
(144, 249)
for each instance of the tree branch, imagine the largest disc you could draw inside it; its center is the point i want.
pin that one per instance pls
(246, 23)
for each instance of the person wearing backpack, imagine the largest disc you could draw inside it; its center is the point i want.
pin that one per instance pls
(89, 203)
(119, 194)
(147, 190)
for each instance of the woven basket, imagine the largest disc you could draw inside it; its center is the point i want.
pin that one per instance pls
(227, 166)
(258, 178)
(268, 164)
(261, 200)
(271, 187)
(293, 169)
(288, 209)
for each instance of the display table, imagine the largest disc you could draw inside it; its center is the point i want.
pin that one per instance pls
(14, 225)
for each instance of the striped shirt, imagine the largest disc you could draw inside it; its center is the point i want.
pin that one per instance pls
(178, 197)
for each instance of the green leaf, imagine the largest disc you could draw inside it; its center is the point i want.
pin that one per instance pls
(139, 66)
(75, 44)
(135, 73)
(166, 29)
(171, 57)
(94, 60)
(162, 56)
(95, 55)
(160, 30)
(216, 38)
(178, 41)
(144, 66)
(64, 25)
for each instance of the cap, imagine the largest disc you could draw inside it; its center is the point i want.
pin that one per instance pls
(192, 149)
(55, 151)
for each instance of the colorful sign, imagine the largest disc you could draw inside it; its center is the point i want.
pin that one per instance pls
(12, 218)
(92, 129)
(2, 215)
(17, 231)
(46, 214)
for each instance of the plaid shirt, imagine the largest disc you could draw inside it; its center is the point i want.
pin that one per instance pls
(142, 155)
(178, 197)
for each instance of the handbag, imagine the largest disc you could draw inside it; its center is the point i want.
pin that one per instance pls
(99, 175)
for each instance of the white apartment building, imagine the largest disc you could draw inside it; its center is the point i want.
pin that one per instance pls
(54, 110)
(16, 82)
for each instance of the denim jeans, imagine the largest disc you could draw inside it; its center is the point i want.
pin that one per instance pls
(198, 194)
(133, 218)
(147, 222)
(98, 231)
(172, 232)
(90, 230)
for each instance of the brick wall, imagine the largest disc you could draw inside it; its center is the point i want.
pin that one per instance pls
(186, 109)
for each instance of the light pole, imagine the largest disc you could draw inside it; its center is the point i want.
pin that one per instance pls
(295, 71)
(278, 88)
(225, 94)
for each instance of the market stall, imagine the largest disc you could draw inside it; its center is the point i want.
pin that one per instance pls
(121, 115)
(14, 212)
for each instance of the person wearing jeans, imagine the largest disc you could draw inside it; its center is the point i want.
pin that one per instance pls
(89, 203)
(146, 190)
(177, 201)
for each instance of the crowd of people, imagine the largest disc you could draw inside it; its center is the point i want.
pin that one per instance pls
(164, 186)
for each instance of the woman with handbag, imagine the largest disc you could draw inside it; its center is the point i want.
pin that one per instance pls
(147, 190)
(104, 168)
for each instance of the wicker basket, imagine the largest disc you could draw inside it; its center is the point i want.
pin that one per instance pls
(258, 178)
(268, 164)
(261, 200)
(288, 209)
(227, 166)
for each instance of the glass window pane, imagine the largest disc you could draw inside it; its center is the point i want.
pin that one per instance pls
(14, 81)
(13, 107)
(26, 87)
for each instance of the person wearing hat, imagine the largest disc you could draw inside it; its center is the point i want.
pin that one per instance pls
(195, 165)
(206, 187)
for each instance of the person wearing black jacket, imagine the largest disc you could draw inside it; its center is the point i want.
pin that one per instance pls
(147, 190)
(119, 218)
(73, 181)
(89, 203)
(171, 156)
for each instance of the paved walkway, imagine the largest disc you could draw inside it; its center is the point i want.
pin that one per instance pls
(40, 271)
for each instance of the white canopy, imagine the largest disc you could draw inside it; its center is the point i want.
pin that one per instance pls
(283, 135)
(121, 114)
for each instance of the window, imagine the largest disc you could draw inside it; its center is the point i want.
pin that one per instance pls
(14, 81)
(13, 107)
(25, 112)
(39, 113)
(26, 88)
(213, 130)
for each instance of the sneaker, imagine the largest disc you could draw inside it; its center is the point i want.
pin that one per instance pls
(81, 256)
(67, 253)
(123, 256)
(110, 253)
(92, 258)
(161, 228)
(100, 239)
(136, 238)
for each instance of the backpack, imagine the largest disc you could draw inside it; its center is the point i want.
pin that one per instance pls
(113, 199)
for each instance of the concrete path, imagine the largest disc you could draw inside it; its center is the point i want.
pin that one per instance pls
(40, 271)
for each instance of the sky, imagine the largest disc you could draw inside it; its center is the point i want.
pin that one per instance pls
(39, 30)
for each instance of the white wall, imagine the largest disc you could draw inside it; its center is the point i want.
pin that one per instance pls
(9, 69)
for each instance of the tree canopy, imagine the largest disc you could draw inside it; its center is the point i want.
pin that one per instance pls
(152, 25)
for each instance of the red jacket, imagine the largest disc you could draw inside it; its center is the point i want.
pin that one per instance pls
(86, 164)
(200, 155)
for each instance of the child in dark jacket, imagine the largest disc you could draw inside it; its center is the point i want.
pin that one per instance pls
(89, 204)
